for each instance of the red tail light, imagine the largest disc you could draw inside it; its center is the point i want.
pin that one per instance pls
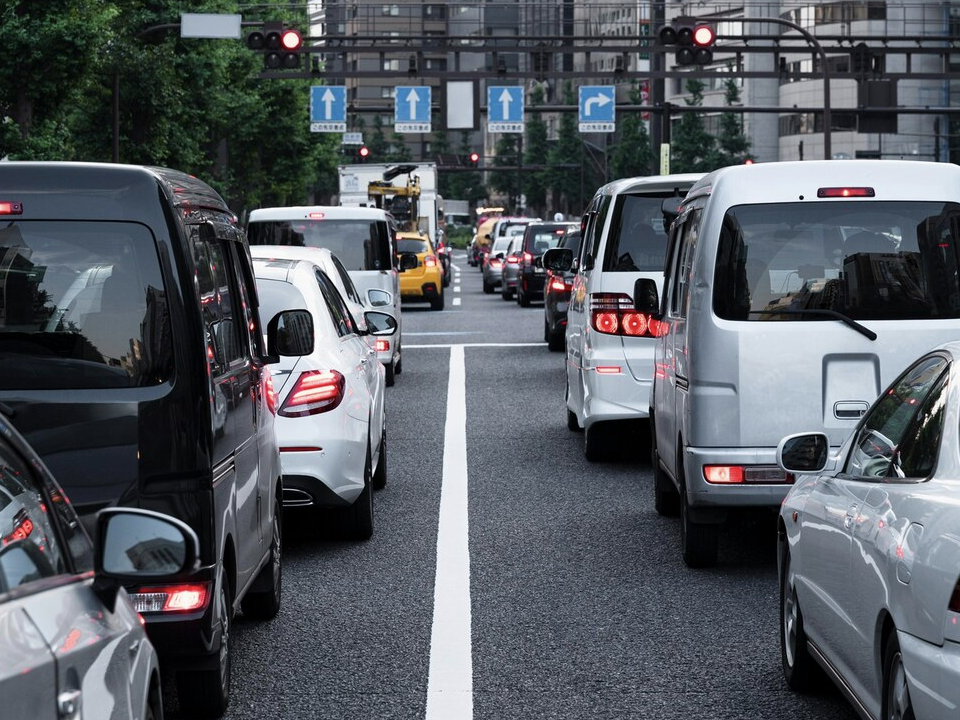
(22, 528)
(382, 345)
(613, 314)
(737, 474)
(430, 261)
(10, 208)
(527, 259)
(558, 285)
(495, 263)
(513, 260)
(845, 192)
(315, 392)
(171, 598)
(269, 393)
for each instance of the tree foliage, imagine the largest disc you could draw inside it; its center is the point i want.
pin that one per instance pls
(732, 143)
(507, 154)
(632, 155)
(692, 148)
(536, 148)
(566, 159)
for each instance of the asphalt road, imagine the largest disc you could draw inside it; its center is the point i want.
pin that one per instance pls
(579, 604)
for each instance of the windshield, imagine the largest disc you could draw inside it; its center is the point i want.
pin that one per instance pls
(360, 244)
(82, 305)
(865, 260)
(638, 241)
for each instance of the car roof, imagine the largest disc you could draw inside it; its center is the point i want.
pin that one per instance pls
(292, 252)
(653, 183)
(304, 212)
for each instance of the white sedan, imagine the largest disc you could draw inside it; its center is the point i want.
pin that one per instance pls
(870, 551)
(330, 425)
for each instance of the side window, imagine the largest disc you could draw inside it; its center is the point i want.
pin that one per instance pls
(683, 263)
(892, 421)
(338, 311)
(222, 309)
(347, 282)
(596, 232)
(29, 547)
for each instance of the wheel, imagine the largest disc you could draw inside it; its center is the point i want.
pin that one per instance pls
(572, 423)
(265, 604)
(555, 341)
(437, 303)
(896, 693)
(357, 519)
(380, 476)
(600, 442)
(666, 500)
(523, 298)
(206, 693)
(487, 288)
(799, 669)
(506, 293)
(389, 376)
(698, 541)
(546, 331)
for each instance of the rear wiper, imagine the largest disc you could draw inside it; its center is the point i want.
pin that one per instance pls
(845, 319)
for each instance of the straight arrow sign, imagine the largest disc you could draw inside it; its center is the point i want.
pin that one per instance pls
(411, 109)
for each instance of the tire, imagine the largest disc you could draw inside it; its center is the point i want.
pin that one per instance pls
(523, 298)
(437, 303)
(487, 288)
(896, 693)
(572, 423)
(380, 476)
(357, 519)
(698, 541)
(399, 355)
(799, 668)
(264, 605)
(600, 442)
(546, 331)
(555, 341)
(389, 377)
(666, 499)
(206, 693)
(506, 294)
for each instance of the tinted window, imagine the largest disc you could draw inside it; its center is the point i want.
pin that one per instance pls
(82, 305)
(342, 320)
(360, 244)
(638, 239)
(276, 296)
(866, 260)
(542, 237)
(595, 231)
(412, 246)
(347, 281)
(571, 241)
(225, 328)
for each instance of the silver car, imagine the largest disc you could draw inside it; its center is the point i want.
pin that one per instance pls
(72, 644)
(493, 264)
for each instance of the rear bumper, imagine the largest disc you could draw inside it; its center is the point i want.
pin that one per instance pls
(933, 675)
(533, 283)
(702, 493)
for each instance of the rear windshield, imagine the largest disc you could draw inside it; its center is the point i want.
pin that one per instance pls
(82, 305)
(360, 244)
(540, 238)
(571, 241)
(637, 239)
(411, 246)
(868, 260)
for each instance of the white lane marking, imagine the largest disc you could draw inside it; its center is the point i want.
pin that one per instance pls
(451, 332)
(456, 301)
(456, 288)
(473, 345)
(450, 682)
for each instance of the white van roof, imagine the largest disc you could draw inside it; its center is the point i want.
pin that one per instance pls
(653, 183)
(304, 212)
(779, 182)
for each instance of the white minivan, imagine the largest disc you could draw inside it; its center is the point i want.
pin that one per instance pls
(363, 239)
(609, 345)
(793, 293)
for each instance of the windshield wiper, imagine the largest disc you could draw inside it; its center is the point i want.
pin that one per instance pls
(845, 319)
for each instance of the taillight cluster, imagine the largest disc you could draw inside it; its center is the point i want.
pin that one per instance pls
(613, 314)
(557, 285)
(269, 393)
(171, 598)
(22, 528)
(527, 259)
(316, 391)
(430, 261)
(739, 474)
(513, 260)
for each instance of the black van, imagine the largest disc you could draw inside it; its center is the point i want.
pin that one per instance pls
(131, 354)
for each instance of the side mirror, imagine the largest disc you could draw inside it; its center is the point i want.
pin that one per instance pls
(408, 261)
(670, 207)
(379, 323)
(137, 546)
(558, 259)
(803, 453)
(646, 298)
(379, 298)
(290, 334)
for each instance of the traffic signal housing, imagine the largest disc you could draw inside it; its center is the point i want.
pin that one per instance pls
(280, 45)
(693, 40)
(363, 152)
(474, 158)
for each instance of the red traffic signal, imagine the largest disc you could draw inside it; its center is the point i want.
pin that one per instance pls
(474, 158)
(694, 40)
(290, 40)
(363, 153)
(281, 46)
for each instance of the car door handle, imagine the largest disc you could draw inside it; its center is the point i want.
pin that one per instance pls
(68, 704)
(851, 515)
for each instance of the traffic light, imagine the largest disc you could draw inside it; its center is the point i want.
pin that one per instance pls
(474, 158)
(694, 41)
(280, 45)
(363, 152)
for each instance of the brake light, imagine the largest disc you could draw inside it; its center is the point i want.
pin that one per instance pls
(315, 392)
(317, 215)
(736, 474)
(830, 192)
(11, 208)
(430, 261)
(172, 598)
(269, 393)
(608, 369)
(723, 474)
(22, 529)
(513, 260)
(495, 263)
(527, 258)
(558, 285)
(382, 345)
(613, 314)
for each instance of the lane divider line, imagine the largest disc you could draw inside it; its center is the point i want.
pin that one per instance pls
(473, 345)
(450, 681)
(456, 301)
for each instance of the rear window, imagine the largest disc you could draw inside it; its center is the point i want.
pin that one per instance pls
(571, 241)
(411, 246)
(82, 305)
(868, 260)
(360, 244)
(638, 239)
(540, 238)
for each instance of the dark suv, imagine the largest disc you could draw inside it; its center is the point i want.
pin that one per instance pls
(537, 239)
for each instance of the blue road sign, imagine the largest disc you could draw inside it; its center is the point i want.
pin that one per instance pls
(411, 108)
(328, 108)
(597, 107)
(505, 108)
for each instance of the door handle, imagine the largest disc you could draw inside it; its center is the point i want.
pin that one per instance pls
(851, 515)
(68, 704)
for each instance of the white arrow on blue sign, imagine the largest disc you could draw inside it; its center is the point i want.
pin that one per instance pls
(411, 109)
(505, 108)
(597, 108)
(328, 108)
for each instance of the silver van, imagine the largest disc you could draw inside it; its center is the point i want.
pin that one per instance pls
(793, 293)
(364, 241)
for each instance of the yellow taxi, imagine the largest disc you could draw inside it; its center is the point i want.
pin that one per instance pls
(421, 281)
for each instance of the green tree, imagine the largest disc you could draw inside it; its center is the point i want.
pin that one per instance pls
(632, 155)
(535, 148)
(378, 143)
(506, 153)
(566, 161)
(692, 148)
(732, 143)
